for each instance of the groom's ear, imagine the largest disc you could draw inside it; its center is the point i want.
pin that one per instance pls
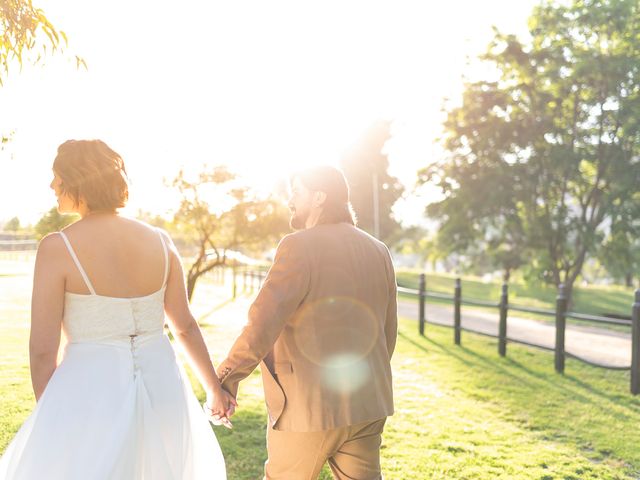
(319, 198)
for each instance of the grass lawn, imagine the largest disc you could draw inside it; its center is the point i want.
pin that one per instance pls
(466, 413)
(461, 412)
(16, 396)
(483, 416)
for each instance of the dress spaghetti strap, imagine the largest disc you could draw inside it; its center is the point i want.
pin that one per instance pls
(166, 259)
(77, 262)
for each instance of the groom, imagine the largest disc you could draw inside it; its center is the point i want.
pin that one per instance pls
(324, 327)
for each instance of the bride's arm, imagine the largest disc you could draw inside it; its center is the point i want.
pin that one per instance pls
(187, 332)
(47, 305)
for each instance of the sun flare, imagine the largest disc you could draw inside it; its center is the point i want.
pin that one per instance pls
(263, 87)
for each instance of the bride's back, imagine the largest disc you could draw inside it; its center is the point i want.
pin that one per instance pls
(121, 257)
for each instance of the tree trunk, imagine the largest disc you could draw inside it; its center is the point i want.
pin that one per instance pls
(196, 271)
(191, 285)
(568, 293)
(628, 279)
(506, 275)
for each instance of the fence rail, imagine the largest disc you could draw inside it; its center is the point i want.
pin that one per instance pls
(18, 245)
(599, 319)
(560, 314)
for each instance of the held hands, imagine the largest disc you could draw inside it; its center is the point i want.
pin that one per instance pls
(219, 407)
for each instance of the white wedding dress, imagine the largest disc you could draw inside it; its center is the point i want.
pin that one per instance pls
(119, 406)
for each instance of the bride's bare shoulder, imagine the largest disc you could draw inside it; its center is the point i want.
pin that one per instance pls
(50, 247)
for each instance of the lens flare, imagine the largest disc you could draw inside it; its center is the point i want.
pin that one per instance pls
(336, 327)
(345, 373)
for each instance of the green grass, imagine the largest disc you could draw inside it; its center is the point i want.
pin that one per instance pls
(461, 412)
(465, 413)
(15, 383)
(484, 416)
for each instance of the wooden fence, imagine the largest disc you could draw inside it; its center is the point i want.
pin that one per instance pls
(252, 280)
(561, 314)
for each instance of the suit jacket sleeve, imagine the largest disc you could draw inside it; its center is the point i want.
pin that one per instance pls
(391, 322)
(283, 290)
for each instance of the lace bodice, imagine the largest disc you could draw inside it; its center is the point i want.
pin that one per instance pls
(96, 317)
(93, 317)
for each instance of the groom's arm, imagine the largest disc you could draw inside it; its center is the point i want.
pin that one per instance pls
(283, 290)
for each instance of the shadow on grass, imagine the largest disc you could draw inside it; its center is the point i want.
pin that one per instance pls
(615, 398)
(568, 385)
(453, 352)
(588, 408)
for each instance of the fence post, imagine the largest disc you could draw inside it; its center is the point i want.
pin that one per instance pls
(422, 289)
(502, 327)
(457, 299)
(561, 321)
(635, 345)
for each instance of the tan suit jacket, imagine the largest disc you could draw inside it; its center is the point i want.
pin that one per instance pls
(324, 326)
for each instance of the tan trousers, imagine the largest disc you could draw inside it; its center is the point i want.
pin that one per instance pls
(353, 453)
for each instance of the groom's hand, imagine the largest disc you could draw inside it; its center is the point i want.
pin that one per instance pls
(219, 407)
(232, 402)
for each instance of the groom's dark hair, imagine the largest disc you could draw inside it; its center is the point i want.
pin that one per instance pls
(330, 180)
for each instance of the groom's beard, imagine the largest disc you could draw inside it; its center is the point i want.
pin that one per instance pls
(298, 221)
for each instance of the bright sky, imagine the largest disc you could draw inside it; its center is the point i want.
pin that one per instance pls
(263, 86)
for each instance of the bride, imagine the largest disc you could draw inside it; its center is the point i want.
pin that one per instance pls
(118, 406)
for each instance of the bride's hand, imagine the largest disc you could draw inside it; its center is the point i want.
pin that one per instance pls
(219, 407)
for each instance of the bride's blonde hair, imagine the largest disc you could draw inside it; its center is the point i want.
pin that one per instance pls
(92, 172)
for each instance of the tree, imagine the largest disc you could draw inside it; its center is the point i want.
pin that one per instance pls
(620, 251)
(5, 139)
(27, 35)
(486, 235)
(252, 224)
(551, 146)
(366, 168)
(52, 221)
(216, 215)
(12, 225)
